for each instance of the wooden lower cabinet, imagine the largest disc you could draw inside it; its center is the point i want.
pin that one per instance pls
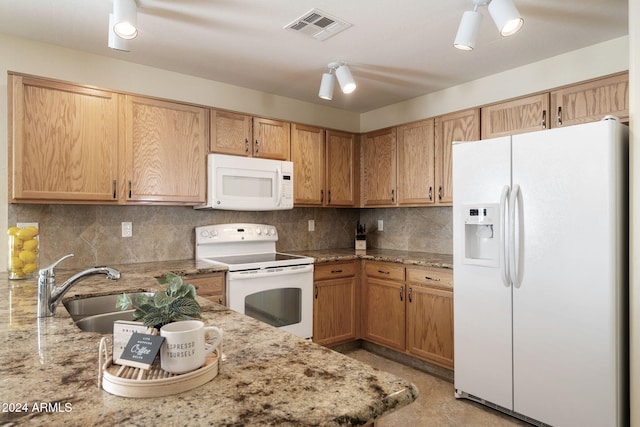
(210, 286)
(334, 302)
(430, 315)
(384, 304)
(412, 314)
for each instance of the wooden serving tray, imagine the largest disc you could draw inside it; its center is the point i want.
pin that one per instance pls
(127, 381)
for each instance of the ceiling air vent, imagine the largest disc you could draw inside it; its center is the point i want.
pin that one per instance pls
(318, 24)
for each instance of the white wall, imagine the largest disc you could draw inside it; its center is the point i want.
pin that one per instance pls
(583, 64)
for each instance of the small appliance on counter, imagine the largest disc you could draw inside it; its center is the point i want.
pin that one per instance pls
(361, 237)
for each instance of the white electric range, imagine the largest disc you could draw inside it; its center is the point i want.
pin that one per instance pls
(274, 287)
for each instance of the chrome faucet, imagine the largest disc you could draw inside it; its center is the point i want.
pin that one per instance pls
(49, 295)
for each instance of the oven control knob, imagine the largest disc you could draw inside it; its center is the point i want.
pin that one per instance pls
(258, 231)
(272, 231)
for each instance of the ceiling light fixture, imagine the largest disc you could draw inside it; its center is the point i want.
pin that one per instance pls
(503, 12)
(115, 42)
(125, 15)
(345, 79)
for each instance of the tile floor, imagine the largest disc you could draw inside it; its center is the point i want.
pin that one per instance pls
(436, 405)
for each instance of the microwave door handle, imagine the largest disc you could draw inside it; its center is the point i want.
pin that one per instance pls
(278, 186)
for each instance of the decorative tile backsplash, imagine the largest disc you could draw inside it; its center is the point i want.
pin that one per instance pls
(162, 233)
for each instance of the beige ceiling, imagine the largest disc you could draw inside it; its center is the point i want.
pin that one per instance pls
(396, 50)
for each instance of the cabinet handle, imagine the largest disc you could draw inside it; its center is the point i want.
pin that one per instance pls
(321, 196)
(410, 294)
(329, 200)
(114, 189)
(220, 301)
(559, 115)
(257, 144)
(316, 291)
(129, 188)
(383, 272)
(393, 195)
(440, 193)
(401, 293)
(246, 145)
(336, 271)
(544, 119)
(435, 279)
(430, 193)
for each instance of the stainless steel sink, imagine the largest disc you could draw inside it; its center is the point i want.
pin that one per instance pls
(97, 314)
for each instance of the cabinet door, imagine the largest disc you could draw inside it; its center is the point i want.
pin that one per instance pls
(384, 313)
(334, 311)
(416, 163)
(271, 139)
(340, 169)
(590, 102)
(165, 151)
(430, 324)
(460, 126)
(517, 116)
(307, 154)
(63, 141)
(379, 168)
(209, 286)
(230, 133)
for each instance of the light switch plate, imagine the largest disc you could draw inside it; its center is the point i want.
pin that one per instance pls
(312, 225)
(380, 225)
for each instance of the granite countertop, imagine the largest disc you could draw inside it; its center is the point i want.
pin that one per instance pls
(49, 369)
(425, 259)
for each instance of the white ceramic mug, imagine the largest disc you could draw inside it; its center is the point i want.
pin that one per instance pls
(184, 348)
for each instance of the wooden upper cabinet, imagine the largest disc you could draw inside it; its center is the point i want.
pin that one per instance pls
(378, 174)
(520, 115)
(271, 139)
(460, 126)
(165, 151)
(231, 133)
(340, 169)
(416, 151)
(63, 141)
(307, 154)
(591, 101)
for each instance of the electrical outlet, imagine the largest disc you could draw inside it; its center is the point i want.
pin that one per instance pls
(127, 229)
(380, 225)
(312, 225)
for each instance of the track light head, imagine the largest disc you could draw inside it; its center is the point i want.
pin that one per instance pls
(347, 83)
(115, 42)
(125, 19)
(506, 16)
(326, 86)
(468, 30)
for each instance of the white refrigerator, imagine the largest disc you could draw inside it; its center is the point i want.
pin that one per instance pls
(540, 254)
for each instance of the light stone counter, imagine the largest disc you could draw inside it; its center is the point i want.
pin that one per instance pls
(49, 369)
(425, 259)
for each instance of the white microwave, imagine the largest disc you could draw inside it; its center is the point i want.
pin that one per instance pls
(248, 183)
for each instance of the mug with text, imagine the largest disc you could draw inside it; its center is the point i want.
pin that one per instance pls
(184, 348)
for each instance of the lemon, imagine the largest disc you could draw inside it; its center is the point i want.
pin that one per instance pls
(15, 242)
(30, 245)
(27, 233)
(17, 273)
(12, 231)
(16, 263)
(29, 268)
(27, 256)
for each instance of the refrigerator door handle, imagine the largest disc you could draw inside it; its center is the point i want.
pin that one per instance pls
(513, 262)
(504, 239)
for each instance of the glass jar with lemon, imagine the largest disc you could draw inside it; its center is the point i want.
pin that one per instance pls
(23, 252)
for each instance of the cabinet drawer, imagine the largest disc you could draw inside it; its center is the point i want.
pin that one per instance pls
(440, 277)
(385, 270)
(207, 285)
(335, 270)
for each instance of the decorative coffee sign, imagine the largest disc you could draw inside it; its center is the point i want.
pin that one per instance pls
(141, 350)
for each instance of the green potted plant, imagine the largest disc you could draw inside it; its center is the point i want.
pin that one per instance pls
(177, 302)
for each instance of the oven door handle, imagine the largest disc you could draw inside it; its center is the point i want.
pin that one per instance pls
(269, 272)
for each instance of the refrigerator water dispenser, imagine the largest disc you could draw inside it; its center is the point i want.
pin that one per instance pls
(482, 234)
